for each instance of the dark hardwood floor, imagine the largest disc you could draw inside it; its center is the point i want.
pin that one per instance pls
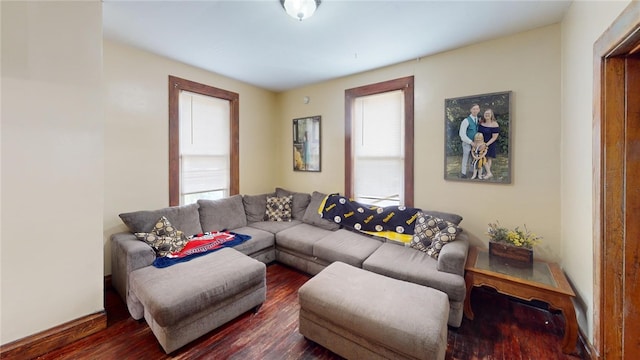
(503, 329)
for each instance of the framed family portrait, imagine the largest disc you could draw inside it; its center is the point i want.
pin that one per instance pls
(477, 138)
(306, 144)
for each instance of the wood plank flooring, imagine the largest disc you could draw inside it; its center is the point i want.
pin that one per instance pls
(503, 329)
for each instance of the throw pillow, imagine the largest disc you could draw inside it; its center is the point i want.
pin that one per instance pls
(299, 204)
(164, 228)
(432, 233)
(185, 217)
(312, 214)
(255, 206)
(222, 214)
(423, 232)
(441, 239)
(454, 218)
(164, 238)
(279, 208)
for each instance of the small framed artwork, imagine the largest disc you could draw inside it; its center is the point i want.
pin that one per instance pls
(477, 138)
(306, 144)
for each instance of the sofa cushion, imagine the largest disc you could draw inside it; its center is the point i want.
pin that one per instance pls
(301, 238)
(300, 202)
(346, 246)
(183, 217)
(274, 226)
(408, 264)
(260, 240)
(279, 208)
(454, 218)
(222, 214)
(255, 206)
(313, 217)
(164, 238)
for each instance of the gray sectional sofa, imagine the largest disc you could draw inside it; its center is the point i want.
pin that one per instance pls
(307, 242)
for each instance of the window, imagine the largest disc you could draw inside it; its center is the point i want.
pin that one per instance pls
(203, 142)
(379, 143)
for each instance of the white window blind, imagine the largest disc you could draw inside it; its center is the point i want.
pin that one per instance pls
(204, 147)
(378, 147)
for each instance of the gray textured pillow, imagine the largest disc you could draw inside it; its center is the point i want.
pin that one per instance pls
(255, 206)
(185, 218)
(222, 214)
(312, 217)
(454, 218)
(300, 202)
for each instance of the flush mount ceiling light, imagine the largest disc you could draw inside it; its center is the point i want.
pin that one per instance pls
(300, 9)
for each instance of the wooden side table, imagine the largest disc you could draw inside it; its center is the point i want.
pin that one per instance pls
(545, 282)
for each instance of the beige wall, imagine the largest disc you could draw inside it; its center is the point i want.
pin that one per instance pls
(87, 153)
(527, 64)
(581, 27)
(136, 134)
(52, 165)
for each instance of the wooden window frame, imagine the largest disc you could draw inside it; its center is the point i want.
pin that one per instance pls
(406, 85)
(177, 84)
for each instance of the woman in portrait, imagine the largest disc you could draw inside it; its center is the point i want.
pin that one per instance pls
(490, 130)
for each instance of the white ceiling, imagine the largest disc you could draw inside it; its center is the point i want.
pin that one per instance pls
(258, 43)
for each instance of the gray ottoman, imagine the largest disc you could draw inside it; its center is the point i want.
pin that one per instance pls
(187, 300)
(362, 315)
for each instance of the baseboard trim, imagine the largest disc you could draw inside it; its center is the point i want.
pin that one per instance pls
(41, 343)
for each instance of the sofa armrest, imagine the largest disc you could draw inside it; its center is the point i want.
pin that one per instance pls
(453, 255)
(127, 255)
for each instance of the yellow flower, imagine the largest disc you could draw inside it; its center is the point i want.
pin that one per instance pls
(516, 237)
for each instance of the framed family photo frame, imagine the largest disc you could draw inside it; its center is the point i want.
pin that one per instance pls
(477, 143)
(306, 144)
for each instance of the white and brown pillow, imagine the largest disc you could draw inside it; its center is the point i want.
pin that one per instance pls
(432, 233)
(441, 239)
(423, 232)
(164, 238)
(279, 208)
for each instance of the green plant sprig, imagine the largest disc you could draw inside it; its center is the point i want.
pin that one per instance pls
(516, 237)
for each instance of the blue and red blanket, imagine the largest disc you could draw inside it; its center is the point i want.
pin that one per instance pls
(202, 244)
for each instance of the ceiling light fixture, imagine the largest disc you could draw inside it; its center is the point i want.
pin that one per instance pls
(300, 9)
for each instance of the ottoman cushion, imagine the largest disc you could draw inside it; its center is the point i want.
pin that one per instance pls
(181, 290)
(408, 319)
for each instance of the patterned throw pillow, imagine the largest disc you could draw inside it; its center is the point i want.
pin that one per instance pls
(164, 238)
(423, 232)
(441, 239)
(431, 233)
(279, 208)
